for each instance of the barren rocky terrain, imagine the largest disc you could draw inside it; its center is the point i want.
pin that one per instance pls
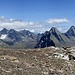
(41, 61)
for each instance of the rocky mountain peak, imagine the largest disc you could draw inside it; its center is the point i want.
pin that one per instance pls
(72, 27)
(54, 31)
(12, 30)
(71, 31)
(4, 31)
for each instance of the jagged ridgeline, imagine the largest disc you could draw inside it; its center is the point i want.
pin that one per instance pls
(17, 39)
(26, 39)
(55, 38)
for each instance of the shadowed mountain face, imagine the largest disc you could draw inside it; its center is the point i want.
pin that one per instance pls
(4, 31)
(26, 39)
(45, 41)
(28, 34)
(17, 39)
(71, 31)
(55, 38)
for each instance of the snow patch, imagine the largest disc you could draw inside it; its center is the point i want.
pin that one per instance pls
(3, 36)
(66, 57)
(61, 56)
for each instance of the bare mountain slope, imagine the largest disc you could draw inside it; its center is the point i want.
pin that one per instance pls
(58, 39)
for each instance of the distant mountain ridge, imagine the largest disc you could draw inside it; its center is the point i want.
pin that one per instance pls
(26, 39)
(17, 39)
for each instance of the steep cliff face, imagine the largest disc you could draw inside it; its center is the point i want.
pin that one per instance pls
(55, 38)
(45, 41)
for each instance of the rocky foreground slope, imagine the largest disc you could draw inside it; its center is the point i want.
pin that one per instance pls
(45, 61)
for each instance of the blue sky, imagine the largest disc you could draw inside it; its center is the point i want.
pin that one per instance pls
(38, 12)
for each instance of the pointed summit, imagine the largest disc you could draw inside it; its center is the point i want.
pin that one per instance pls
(4, 31)
(12, 31)
(72, 27)
(71, 31)
(53, 28)
(13, 34)
(54, 31)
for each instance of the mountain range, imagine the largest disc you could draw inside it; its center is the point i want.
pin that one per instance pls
(17, 39)
(55, 38)
(26, 39)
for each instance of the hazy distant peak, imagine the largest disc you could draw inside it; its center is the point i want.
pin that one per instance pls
(72, 27)
(4, 31)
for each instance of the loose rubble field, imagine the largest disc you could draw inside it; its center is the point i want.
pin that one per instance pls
(45, 61)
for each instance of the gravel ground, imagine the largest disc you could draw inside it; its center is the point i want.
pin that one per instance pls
(44, 61)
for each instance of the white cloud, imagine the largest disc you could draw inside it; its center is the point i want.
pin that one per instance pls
(62, 20)
(60, 29)
(32, 26)
(20, 25)
(32, 30)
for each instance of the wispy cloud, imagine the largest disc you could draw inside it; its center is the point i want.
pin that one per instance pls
(32, 26)
(62, 20)
(20, 25)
